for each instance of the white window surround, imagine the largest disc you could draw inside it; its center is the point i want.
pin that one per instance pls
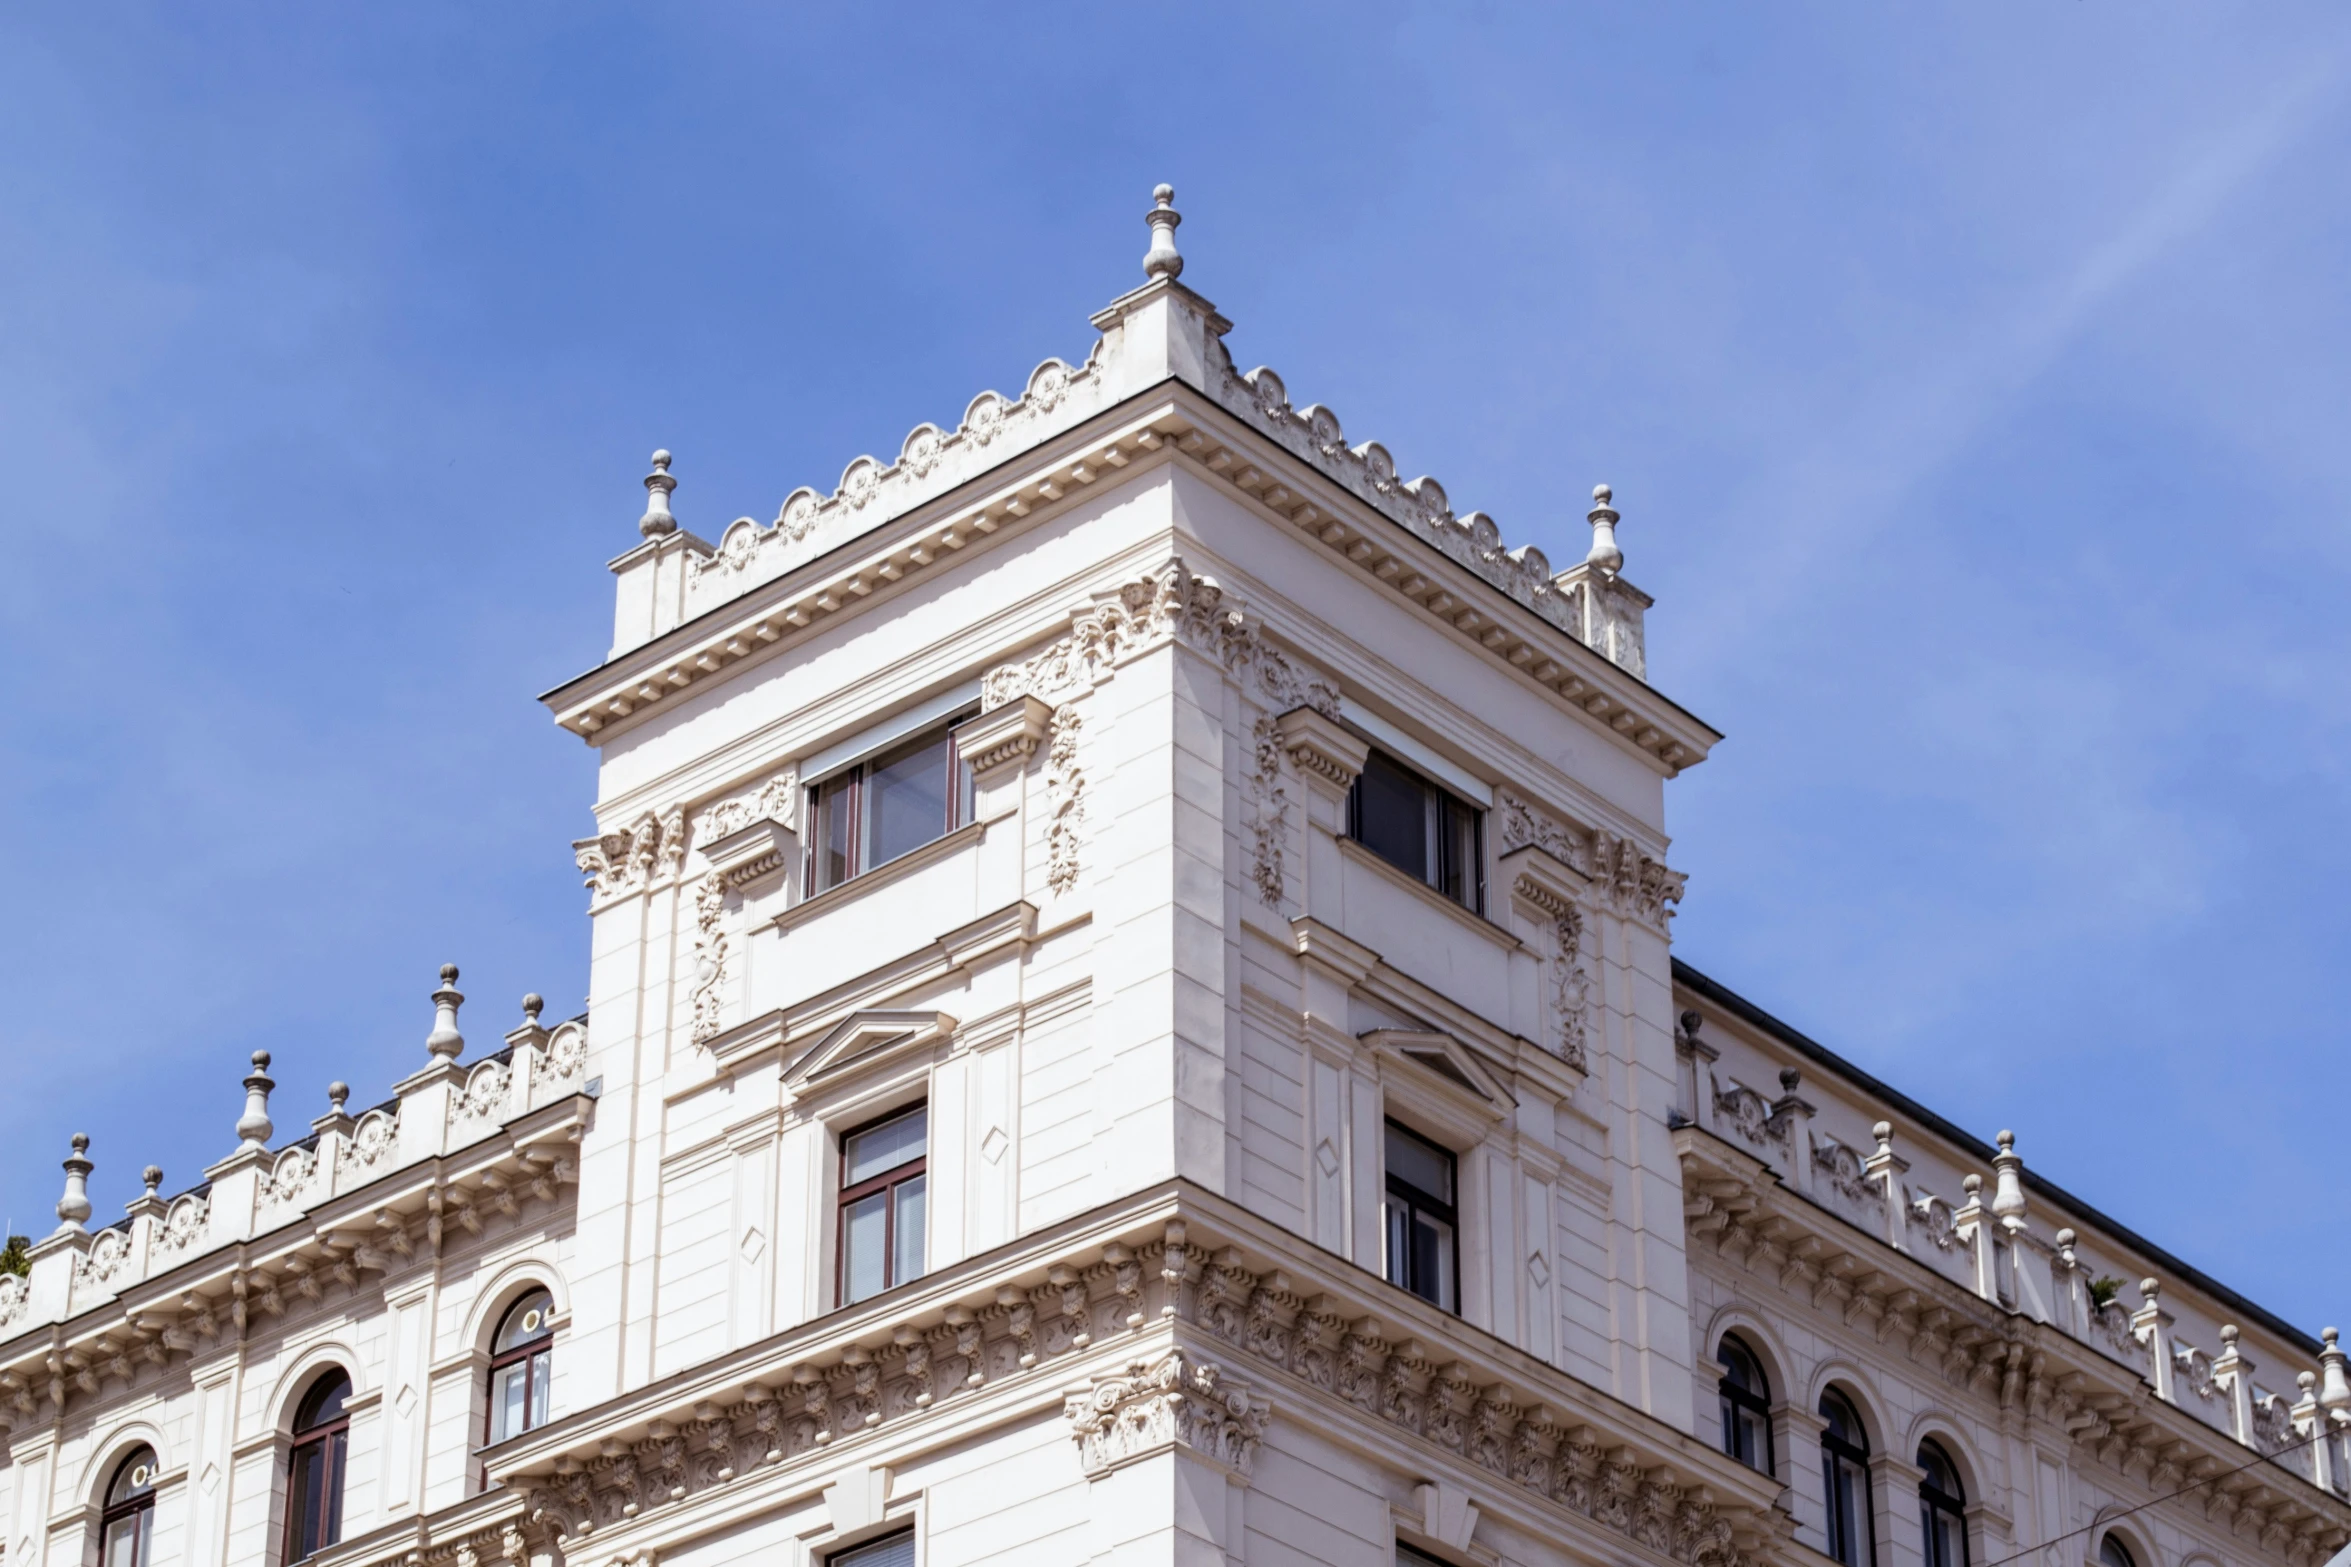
(1418, 754)
(855, 748)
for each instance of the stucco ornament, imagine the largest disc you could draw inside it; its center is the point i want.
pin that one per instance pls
(1177, 1400)
(710, 958)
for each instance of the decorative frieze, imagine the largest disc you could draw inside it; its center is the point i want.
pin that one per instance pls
(1177, 1400)
(748, 552)
(777, 800)
(1170, 604)
(1634, 884)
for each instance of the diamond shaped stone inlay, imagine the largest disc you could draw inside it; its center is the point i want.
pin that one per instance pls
(753, 1244)
(1538, 1270)
(210, 1479)
(993, 1145)
(406, 1401)
(1326, 1157)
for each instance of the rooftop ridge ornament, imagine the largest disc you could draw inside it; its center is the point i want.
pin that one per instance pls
(1163, 260)
(74, 1206)
(254, 1126)
(1605, 556)
(445, 1042)
(658, 484)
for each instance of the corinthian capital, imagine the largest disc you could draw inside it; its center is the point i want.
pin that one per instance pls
(1177, 1400)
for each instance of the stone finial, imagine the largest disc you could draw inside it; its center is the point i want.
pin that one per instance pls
(2150, 1292)
(254, 1126)
(2334, 1386)
(1162, 259)
(445, 1042)
(74, 1207)
(1691, 1022)
(1972, 1184)
(532, 1005)
(338, 1095)
(657, 519)
(1883, 1132)
(1605, 556)
(1790, 1079)
(152, 1178)
(2008, 1202)
(2065, 1240)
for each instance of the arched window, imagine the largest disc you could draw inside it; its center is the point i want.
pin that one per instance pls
(520, 1366)
(314, 1469)
(126, 1525)
(1746, 1406)
(1844, 1462)
(1942, 1509)
(2113, 1553)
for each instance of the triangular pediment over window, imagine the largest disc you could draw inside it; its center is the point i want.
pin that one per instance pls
(1446, 1059)
(865, 1038)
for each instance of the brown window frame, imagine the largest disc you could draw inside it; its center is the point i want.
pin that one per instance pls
(853, 779)
(333, 1439)
(888, 1179)
(111, 1512)
(530, 1349)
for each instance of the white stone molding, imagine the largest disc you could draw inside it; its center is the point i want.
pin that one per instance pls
(617, 863)
(1633, 883)
(776, 800)
(707, 995)
(1177, 1400)
(1571, 980)
(1166, 605)
(1007, 736)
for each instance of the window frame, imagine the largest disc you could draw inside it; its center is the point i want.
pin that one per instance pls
(889, 1181)
(1397, 1190)
(332, 1440)
(846, 1555)
(1935, 1503)
(138, 1509)
(540, 1348)
(853, 776)
(1837, 1457)
(1440, 808)
(1736, 1399)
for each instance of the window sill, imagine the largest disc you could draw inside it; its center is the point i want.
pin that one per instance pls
(1474, 922)
(883, 875)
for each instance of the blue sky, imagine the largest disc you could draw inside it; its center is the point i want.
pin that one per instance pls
(1972, 379)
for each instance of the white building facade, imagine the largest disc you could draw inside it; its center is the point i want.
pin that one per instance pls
(1132, 1018)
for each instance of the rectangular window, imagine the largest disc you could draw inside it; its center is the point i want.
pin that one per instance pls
(865, 816)
(1425, 832)
(1420, 1218)
(882, 1191)
(896, 1551)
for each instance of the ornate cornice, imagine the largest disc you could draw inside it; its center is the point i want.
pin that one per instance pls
(1135, 1303)
(305, 1257)
(1737, 1210)
(1441, 575)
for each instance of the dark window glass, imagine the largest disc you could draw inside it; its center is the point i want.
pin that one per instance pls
(883, 1186)
(1420, 1217)
(1418, 828)
(892, 805)
(522, 1367)
(1844, 1451)
(314, 1469)
(126, 1526)
(1942, 1509)
(2113, 1553)
(896, 1551)
(1746, 1407)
